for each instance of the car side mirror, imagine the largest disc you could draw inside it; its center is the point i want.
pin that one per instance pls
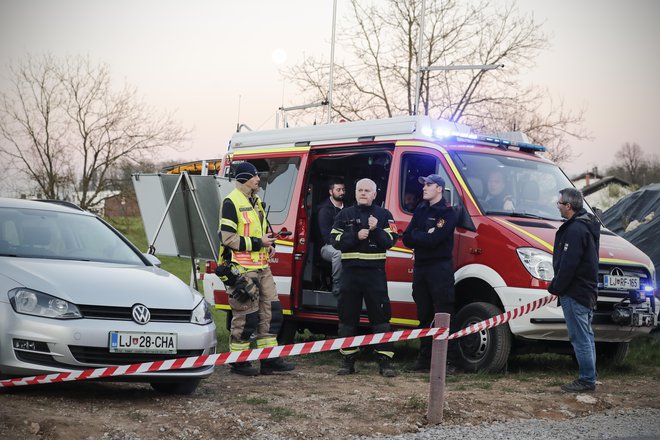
(152, 259)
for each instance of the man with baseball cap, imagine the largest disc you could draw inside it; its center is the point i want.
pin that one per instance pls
(431, 235)
(253, 299)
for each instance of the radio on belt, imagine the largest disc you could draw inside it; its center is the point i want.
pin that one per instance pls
(637, 310)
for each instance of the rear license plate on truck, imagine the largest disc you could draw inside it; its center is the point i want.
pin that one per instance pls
(620, 282)
(134, 342)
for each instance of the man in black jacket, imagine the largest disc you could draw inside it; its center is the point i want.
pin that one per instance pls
(363, 233)
(575, 262)
(326, 217)
(431, 235)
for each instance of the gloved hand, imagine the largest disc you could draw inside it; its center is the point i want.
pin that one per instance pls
(228, 273)
(244, 290)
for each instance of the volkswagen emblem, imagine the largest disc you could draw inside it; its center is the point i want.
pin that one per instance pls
(616, 272)
(141, 314)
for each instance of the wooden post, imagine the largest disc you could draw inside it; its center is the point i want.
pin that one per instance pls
(438, 370)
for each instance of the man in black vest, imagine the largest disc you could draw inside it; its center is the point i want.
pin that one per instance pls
(327, 213)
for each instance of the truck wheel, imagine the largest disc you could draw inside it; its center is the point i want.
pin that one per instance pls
(181, 387)
(287, 333)
(487, 350)
(611, 353)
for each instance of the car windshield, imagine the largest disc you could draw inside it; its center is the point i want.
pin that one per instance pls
(34, 233)
(511, 186)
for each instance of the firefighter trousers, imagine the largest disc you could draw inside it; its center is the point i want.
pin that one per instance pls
(433, 292)
(368, 284)
(261, 317)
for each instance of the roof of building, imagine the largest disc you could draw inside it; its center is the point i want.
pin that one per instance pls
(602, 183)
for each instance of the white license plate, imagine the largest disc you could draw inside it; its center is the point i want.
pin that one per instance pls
(620, 282)
(136, 342)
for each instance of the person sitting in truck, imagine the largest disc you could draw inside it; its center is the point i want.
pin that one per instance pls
(326, 217)
(497, 198)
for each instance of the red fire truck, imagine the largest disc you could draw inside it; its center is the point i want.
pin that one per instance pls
(502, 257)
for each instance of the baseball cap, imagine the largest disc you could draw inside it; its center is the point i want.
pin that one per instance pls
(245, 171)
(433, 178)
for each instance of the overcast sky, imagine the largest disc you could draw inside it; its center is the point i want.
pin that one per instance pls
(196, 57)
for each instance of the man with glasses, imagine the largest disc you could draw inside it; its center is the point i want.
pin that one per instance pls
(575, 262)
(431, 235)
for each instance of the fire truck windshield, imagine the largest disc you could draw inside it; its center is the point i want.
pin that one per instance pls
(512, 186)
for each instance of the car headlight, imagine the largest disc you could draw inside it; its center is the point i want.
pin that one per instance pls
(32, 302)
(537, 262)
(201, 314)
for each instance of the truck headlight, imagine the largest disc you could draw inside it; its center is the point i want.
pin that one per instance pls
(201, 314)
(32, 302)
(537, 262)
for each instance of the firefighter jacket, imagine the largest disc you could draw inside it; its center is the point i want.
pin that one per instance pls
(247, 219)
(575, 259)
(371, 251)
(431, 232)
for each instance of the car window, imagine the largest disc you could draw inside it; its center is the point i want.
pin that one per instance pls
(33, 233)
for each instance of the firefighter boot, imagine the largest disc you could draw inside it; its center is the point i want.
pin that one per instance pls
(347, 364)
(244, 369)
(270, 366)
(385, 367)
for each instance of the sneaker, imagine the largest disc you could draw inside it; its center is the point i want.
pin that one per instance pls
(578, 386)
(244, 369)
(270, 366)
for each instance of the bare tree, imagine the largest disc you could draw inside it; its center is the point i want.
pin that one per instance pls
(379, 76)
(65, 127)
(631, 159)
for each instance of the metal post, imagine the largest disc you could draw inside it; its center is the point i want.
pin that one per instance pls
(419, 56)
(332, 60)
(438, 370)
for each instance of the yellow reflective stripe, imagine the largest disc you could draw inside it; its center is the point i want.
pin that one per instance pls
(362, 256)
(336, 231)
(629, 262)
(348, 351)
(529, 234)
(239, 346)
(398, 249)
(412, 322)
(248, 243)
(223, 306)
(287, 312)
(266, 342)
(389, 354)
(228, 222)
(389, 232)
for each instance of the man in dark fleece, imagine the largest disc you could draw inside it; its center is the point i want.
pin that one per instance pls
(431, 235)
(575, 262)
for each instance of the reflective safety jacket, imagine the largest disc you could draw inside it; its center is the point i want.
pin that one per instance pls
(247, 219)
(371, 251)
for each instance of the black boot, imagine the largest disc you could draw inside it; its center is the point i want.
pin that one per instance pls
(270, 366)
(384, 366)
(422, 363)
(347, 364)
(244, 369)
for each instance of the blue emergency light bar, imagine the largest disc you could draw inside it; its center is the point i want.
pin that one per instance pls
(505, 144)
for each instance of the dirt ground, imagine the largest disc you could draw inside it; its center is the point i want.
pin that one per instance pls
(310, 402)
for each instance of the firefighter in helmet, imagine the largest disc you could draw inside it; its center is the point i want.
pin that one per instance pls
(256, 309)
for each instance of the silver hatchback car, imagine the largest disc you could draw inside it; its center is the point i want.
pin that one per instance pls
(76, 294)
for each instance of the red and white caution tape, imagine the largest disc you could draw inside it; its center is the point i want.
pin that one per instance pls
(503, 318)
(230, 357)
(278, 351)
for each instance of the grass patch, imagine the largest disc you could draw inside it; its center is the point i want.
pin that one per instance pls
(279, 413)
(256, 401)
(416, 403)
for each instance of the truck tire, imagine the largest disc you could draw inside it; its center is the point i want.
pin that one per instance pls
(487, 350)
(182, 387)
(611, 353)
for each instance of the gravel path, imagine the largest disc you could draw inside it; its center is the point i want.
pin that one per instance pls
(639, 424)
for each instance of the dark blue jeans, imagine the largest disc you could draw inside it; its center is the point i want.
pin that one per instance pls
(578, 321)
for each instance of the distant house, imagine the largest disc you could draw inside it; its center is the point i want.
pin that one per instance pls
(601, 191)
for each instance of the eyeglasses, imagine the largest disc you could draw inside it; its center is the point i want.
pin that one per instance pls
(562, 203)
